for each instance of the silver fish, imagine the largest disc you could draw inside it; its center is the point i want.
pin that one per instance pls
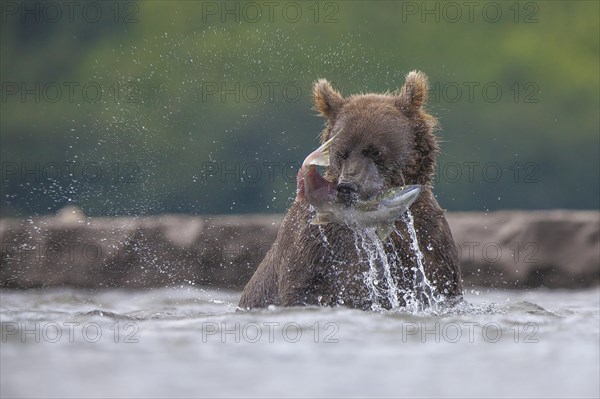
(380, 212)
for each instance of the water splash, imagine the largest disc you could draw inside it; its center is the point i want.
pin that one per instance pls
(424, 292)
(390, 284)
(378, 279)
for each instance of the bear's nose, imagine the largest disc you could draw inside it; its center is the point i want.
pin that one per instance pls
(347, 188)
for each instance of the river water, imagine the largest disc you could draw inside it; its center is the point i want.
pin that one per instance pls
(189, 341)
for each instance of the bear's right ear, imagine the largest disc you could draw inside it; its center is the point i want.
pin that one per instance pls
(328, 101)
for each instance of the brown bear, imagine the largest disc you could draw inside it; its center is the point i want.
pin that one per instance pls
(381, 141)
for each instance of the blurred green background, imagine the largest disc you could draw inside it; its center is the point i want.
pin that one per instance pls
(148, 107)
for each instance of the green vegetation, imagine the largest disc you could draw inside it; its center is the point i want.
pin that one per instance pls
(164, 137)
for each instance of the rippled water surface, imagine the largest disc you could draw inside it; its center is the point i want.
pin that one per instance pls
(188, 341)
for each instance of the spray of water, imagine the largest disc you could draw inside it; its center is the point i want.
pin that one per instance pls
(378, 278)
(382, 284)
(424, 291)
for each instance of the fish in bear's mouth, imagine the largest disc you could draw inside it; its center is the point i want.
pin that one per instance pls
(344, 206)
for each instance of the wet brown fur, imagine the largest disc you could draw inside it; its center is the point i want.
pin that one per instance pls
(303, 269)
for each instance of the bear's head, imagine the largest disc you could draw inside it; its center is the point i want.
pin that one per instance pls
(381, 140)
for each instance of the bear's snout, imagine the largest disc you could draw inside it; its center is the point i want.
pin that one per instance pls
(359, 179)
(347, 192)
(347, 188)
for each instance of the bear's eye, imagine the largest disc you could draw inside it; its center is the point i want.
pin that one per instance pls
(341, 155)
(371, 153)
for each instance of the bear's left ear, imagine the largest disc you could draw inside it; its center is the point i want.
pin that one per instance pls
(328, 101)
(414, 92)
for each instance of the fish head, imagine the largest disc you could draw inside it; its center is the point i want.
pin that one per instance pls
(318, 191)
(311, 186)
